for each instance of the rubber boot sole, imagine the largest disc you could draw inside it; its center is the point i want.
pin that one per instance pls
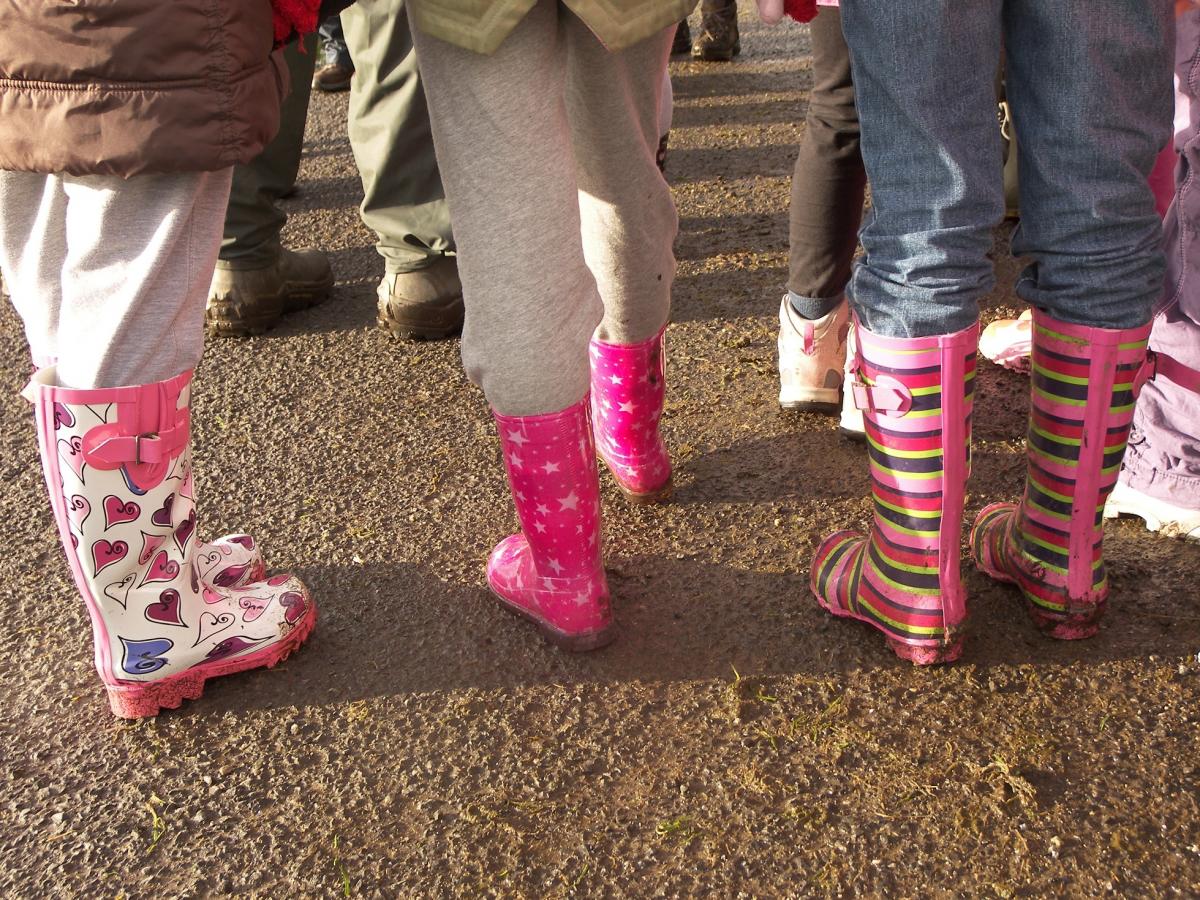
(573, 643)
(428, 322)
(137, 700)
(917, 654)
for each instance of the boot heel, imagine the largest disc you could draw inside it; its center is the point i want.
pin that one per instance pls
(659, 495)
(138, 701)
(927, 656)
(1068, 627)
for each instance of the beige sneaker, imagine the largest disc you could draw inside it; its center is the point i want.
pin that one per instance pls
(1009, 342)
(423, 305)
(812, 354)
(851, 422)
(243, 301)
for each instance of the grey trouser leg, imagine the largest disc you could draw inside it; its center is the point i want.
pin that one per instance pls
(110, 275)
(589, 244)
(403, 200)
(254, 219)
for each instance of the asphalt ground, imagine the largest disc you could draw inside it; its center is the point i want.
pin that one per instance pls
(734, 742)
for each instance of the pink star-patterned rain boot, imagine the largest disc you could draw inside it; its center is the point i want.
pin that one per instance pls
(552, 572)
(167, 615)
(628, 391)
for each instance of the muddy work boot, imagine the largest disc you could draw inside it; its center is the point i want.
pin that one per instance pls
(904, 578)
(552, 572)
(719, 40)
(248, 300)
(425, 305)
(1051, 545)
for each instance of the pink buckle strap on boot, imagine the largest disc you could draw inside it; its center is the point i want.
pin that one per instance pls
(1082, 391)
(167, 614)
(552, 572)
(628, 392)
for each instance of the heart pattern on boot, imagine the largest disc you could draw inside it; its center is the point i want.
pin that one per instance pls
(118, 511)
(166, 609)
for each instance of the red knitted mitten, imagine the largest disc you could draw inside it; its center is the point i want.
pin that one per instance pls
(294, 16)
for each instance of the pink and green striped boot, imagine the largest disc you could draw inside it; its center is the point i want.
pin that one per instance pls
(904, 577)
(1084, 383)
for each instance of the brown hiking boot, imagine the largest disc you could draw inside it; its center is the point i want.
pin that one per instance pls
(719, 40)
(333, 78)
(243, 301)
(425, 305)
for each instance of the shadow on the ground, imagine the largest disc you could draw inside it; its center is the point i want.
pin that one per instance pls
(681, 620)
(754, 114)
(688, 164)
(777, 468)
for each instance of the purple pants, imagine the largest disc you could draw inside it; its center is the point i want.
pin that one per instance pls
(1163, 459)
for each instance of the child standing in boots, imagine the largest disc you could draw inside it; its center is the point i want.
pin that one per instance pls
(546, 123)
(1090, 87)
(111, 210)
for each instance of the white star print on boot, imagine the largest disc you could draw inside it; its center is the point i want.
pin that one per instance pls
(552, 572)
(628, 392)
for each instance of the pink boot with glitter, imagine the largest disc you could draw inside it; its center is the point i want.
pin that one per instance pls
(552, 572)
(628, 391)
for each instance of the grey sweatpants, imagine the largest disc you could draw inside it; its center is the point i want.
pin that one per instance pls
(110, 276)
(562, 219)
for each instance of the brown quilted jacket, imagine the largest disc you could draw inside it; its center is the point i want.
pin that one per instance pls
(133, 87)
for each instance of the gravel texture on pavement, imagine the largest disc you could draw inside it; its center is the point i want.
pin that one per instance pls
(735, 741)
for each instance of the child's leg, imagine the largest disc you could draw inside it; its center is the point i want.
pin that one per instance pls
(113, 420)
(934, 169)
(138, 263)
(628, 223)
(1163, 462)
(1088, 139)
(826, 210)
(33, 244)
(933, 156)
(1090, 88)
(829, 178)
(504, 149)
(628, 217)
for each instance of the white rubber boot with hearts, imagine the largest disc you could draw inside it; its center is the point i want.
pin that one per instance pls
(166, 615)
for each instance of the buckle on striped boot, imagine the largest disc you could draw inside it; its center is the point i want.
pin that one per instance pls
(887, 396)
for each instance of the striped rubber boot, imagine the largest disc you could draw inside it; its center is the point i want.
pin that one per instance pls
(904, 577)
(1083, 386)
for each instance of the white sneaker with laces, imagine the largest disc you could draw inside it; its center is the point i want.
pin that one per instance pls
(1170, 520)
(812, 354)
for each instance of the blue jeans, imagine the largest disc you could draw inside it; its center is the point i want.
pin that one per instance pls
(1090, 88)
